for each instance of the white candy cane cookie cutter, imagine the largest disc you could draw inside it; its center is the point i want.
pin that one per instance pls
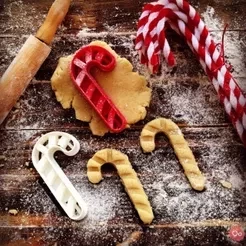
(56, 180)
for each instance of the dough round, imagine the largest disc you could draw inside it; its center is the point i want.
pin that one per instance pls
(127, 89)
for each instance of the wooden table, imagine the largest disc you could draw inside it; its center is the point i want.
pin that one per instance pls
(183, 94)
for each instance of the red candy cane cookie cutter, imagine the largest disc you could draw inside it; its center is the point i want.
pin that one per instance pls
(182, 17)
(84, 60)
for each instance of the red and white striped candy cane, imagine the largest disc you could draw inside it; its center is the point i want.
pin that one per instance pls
(182, 17)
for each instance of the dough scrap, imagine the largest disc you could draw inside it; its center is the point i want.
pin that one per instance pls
(128, 176)
(180, 146)
(127, 89)
(226, 184)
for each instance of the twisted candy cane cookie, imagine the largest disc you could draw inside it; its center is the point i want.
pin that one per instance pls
(181, 148)
(128, 176)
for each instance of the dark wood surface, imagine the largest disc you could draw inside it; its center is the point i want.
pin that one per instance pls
(182, 93)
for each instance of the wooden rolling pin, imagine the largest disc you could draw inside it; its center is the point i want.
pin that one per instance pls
(30, 58)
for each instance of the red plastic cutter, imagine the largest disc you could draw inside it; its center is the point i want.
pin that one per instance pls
(80, 70)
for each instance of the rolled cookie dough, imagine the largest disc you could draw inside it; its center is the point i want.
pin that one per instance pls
(127, 89)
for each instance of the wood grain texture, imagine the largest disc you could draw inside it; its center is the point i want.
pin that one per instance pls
(182, 93)
(100, 15)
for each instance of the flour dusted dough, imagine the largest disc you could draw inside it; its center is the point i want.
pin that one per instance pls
(128, 177)
(180, 146)
(127, 89)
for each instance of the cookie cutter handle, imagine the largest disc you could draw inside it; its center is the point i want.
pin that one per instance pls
(56, 180)
(84, 60)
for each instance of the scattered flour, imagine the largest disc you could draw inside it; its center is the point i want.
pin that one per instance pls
(211, 20)
(101, 202)
(20, 17)
(233, 43)
(169, 191)
(237, 181)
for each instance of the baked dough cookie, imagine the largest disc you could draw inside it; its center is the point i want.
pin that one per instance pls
(128, 177)
(127, 89)
(180, 146)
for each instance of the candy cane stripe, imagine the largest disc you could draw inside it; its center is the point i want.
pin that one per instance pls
(183, 18)
(192, 13)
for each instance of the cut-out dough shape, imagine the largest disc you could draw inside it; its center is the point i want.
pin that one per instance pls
(127, 90)
(56, 180)
(128, 176)
(180, 146)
